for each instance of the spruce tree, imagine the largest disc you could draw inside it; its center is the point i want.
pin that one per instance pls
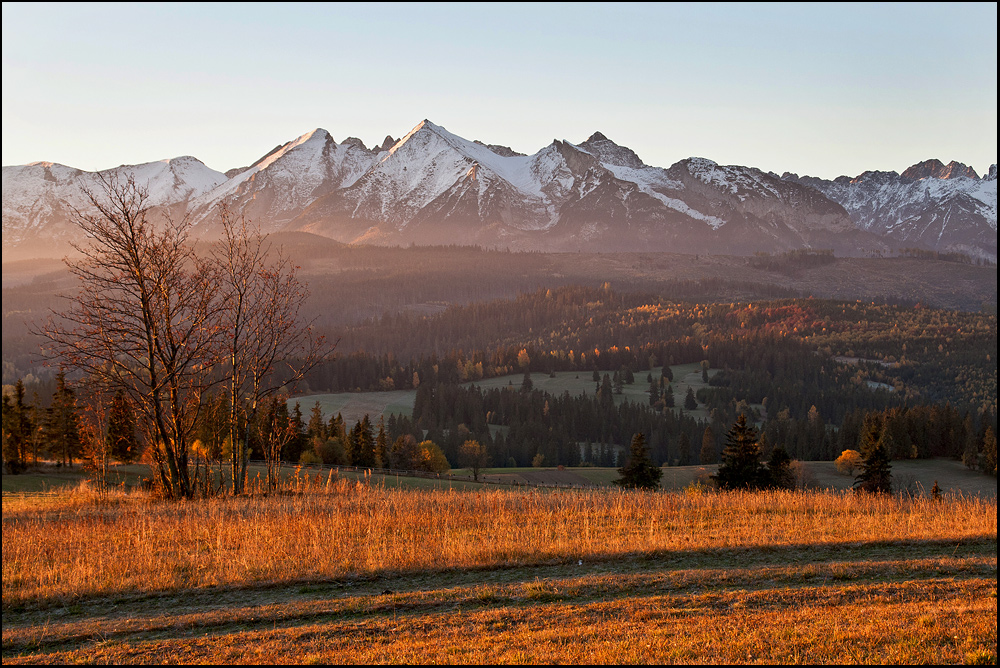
(741, 467)
(381, 445)
(317, 428)
(17, 430)
(364, 444)
(639, 472)
(779, 469)
(690, 403)
(62, 422)
(876, 471)
(668, 397)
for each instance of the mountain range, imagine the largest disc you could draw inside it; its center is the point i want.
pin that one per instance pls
(434, 187)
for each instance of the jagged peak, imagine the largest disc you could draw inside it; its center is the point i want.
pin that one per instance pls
(315, 133)
(875, 175)
(388, 143)
(934, 168)
(955, 168)
(611, 153)
(354, 141)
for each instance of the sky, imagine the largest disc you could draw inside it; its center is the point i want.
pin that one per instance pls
(818, 89)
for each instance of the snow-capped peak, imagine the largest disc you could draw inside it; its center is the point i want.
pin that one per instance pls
(611, 153)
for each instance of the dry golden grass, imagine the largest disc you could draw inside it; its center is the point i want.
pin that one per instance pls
(338, 530)
(936, 610)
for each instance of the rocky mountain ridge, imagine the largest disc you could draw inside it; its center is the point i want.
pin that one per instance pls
(434, 187)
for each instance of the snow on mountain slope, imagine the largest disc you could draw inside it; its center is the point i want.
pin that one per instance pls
(432, 178)
(39, 198)
(280, 185)
(937, 206)
(432, 186)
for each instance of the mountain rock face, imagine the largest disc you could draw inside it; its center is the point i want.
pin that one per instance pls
(39, 199)
(930, 205)
(434, 187)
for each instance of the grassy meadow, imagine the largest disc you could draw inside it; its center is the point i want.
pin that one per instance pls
(354, 405)
(338, 570)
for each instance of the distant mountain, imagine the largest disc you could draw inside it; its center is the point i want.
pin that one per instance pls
(39, 199)
(930, 205)
(281, 184)
(434, 187)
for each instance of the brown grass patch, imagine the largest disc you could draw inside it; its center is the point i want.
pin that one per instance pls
(346, 530)
(348, 573)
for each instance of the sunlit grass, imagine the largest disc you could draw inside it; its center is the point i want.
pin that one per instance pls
(74, 546)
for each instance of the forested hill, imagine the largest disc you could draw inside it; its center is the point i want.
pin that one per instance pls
(922, 353)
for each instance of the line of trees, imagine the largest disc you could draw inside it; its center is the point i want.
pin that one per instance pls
(165, 327)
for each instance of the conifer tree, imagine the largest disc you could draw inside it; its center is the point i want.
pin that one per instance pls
(526, 383)
(741, 467)
(876, 475)
(364, 453)
(17, 430)
(779, 469)
(605, 390)
(639, 472)
(690, 403)
(317, 428)
(668, 397)
(62, 422)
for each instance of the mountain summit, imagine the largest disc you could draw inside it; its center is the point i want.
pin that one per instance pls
(432, 186)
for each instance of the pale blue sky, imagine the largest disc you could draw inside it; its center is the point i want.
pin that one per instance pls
(815, 89)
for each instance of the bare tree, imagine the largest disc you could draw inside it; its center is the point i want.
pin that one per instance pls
(145, 320)
(275, 430)
(265, 345)
(96, 445)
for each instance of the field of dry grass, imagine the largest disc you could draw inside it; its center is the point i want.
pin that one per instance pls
(346, 572)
